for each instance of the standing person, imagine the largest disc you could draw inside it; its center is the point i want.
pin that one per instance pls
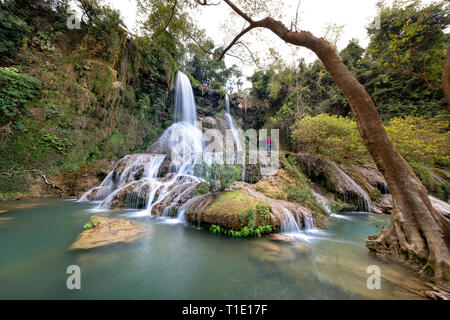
(268, 144)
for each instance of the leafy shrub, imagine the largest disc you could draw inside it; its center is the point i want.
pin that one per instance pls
(247, 219)
(13, 29)
(245, 232)
(16, 89)
(93, 222)
(201, 188)
(219, 176)
(438, 187)
(55, 142)
(51, 111)
(334, 137)
(421, 139)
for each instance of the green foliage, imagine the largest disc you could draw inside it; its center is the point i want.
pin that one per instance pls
(411, 36)
(377, 223)
(201, 188)
(218, 176)
(300, 191)
(421, 139)
(254, 223)
(51, 111)
(337, 205)
(245, 232)
(13, 30)
(263, 212)
(334, 137)
(437, 186)
(411, 40)
(207, 68)
(105, 34)
(21, 20)
(55, 142)
(93, 222)
(16, 89)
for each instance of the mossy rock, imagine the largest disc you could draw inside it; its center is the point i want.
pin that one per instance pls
(231, 203)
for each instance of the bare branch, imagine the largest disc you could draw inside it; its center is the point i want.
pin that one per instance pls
(236, 38)
(205, 3)
(296, 15)
(172, 13)
(255, 60)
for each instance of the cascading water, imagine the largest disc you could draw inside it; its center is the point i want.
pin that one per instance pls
(292, 225)
(185, 110)
(356, 191)
(137, 175)
(237, 141)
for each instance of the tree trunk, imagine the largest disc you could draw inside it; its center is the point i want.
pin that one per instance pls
(446, 77)
(417, 235)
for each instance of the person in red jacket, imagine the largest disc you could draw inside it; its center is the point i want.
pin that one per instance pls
(268, 144)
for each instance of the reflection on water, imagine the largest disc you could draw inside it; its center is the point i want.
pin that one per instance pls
(177, 262)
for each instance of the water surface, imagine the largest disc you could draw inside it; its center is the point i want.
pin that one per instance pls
(173, 261)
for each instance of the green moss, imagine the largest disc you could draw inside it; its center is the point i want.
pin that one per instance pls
(231, 203)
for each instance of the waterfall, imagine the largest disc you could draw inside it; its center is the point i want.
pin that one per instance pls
(322, 202)
(185, 109)
(292, 225)
(136, 175)
(237, 141)
(351, 188)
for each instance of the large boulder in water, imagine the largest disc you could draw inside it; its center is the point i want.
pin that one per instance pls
(226, 209)
(106, 231)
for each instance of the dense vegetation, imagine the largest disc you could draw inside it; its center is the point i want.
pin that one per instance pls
(71, 97)
(401, 70)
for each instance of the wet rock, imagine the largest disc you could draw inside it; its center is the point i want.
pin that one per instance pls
(275, 252)
(108, 231)
(382, 205)
(441, 207)
(133, 195)
(91, 174)
(5, 220)
(272, 185)
(301, 248)
(374, 177)
(320, 169)
(208, 122)
(176, 195)
(279, 237)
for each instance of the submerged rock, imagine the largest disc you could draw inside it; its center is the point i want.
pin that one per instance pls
(275, 252)
(280, 237)
(107, 231)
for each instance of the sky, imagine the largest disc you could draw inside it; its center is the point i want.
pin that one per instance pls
(314, 16)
